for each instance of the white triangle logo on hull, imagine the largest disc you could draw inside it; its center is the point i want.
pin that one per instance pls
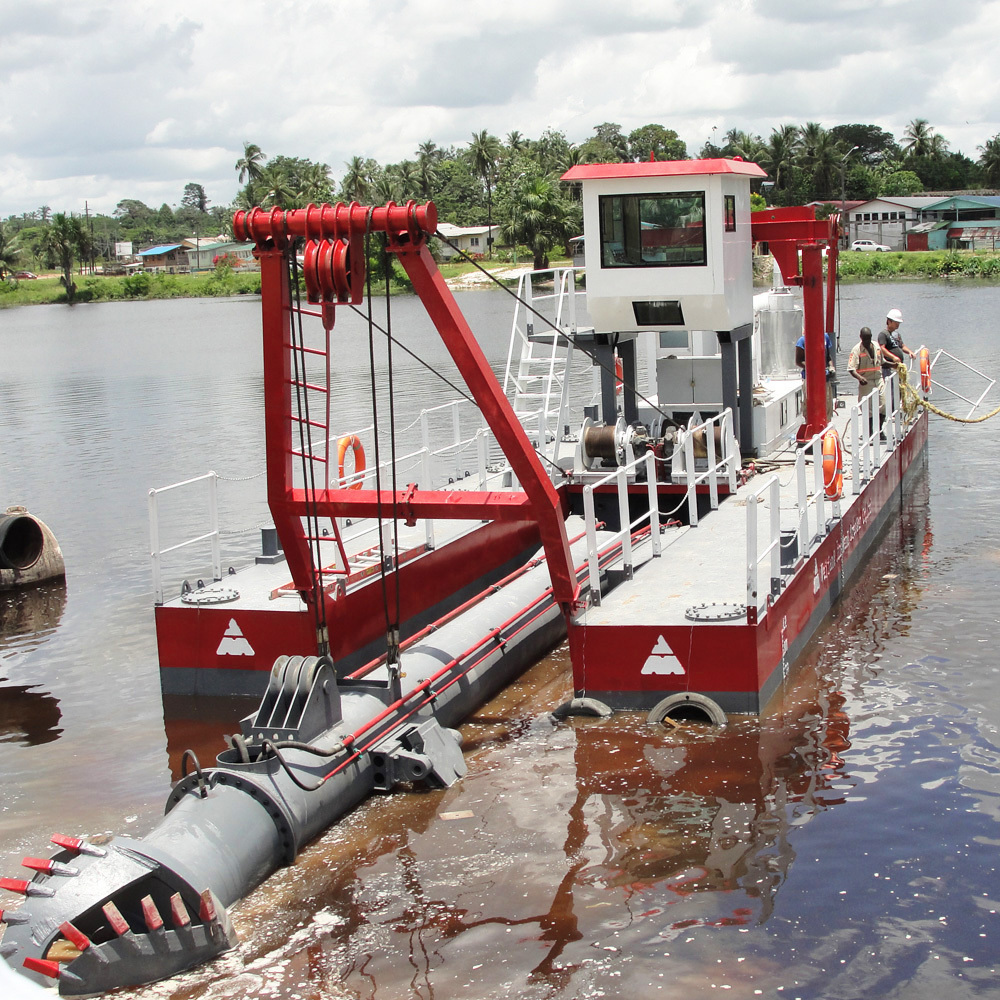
(234, 643)
(661, 660)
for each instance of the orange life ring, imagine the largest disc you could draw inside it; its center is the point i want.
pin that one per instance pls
(925, 369)
(833, 465)
(351, 441)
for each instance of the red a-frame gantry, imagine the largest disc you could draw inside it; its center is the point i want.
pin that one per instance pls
(788, 233)
(334, 263)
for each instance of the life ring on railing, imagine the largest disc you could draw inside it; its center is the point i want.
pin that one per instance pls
(619, 376)
(354, 442)
(925, 370)
(833, 466)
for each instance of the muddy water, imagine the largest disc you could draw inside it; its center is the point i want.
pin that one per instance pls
(843, 845)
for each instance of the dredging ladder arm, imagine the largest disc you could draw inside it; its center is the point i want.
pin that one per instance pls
(334, 270)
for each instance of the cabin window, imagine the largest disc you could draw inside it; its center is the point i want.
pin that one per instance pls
(730, 212)
(653, 230)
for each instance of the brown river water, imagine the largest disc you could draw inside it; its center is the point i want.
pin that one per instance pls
(843, 845)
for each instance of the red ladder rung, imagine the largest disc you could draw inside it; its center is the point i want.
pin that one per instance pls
(312, 458)
(308, 385)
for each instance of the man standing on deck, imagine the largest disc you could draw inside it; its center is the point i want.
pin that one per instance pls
(864, 365)
(890, 343)
(831, 370)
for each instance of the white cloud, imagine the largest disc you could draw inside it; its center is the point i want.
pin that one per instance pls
(104, 101)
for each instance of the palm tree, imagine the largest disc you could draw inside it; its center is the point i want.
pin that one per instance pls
(485, 151)
(280, 193)
(428, 158)
(779, 154)
(516, 141)
(356, 184)
(250, 166)
(251, 163)
(989, 160)
(825, 159)
(10, 252)
(917, 137)
(542, 218)
(408, 177)
(63, 239)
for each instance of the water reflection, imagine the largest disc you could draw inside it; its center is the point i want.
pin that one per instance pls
(29, 716)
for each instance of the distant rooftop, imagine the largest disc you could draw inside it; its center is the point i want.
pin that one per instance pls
(156, 251)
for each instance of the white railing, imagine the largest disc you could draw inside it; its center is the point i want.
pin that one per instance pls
(973, 403)
(728, 462)
(156, 552)
(624, 534)
(770, 552)
(537, 372)
(866, 443)
(812, 522)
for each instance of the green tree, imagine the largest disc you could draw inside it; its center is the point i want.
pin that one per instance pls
(917, 137)
(900, 183)
(540, 218)
(989, 160)
(10, 251)
(655, 140)
(779, 154)
(484, 151)
(65, 239)
(874, 144)
(610, 133)
(250, 165)
(356, 185)
(194, 197)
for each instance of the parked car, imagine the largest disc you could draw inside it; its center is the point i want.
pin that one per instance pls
(24, 275)
(869, 245)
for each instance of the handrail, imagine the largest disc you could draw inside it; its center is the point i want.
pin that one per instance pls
(624, 534)
(771, 551)
(729, 461)
(975, 371)
(156, 552)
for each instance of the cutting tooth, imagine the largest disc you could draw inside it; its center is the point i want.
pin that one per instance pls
(13, 917)
(118, 923)
(77, 846)
(49, 867)
(154, 922)
(79, 940)
(178, 911)
(43, 966)
(25, 888)
(206, 909)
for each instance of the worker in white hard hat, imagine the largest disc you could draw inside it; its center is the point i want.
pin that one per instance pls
(890, 343)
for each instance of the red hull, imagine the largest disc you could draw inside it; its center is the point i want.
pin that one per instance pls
(739, 665)
(230, 651)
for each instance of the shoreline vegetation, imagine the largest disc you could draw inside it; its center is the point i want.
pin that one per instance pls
(853, 266)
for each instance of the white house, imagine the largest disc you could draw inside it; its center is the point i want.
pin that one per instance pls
(469, 239)
(886, 220)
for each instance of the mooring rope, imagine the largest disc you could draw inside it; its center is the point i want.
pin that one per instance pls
(911, 399)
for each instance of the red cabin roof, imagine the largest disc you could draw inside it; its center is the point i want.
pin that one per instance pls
(661, 168)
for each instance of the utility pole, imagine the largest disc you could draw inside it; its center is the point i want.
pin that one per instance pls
(843, 198)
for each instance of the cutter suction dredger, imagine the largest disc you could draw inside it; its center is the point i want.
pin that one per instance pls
(121, 912)
(101, 915)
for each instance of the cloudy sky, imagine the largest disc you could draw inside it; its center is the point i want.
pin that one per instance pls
(101, 101)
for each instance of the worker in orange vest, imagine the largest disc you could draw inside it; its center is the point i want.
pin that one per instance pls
(865, 367)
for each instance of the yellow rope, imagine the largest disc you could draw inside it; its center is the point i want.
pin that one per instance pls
(911, 399)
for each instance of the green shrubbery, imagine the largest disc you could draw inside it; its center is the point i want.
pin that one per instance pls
(141, 285)
(920, 264)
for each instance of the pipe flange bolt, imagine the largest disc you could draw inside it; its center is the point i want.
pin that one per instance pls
(723, 611)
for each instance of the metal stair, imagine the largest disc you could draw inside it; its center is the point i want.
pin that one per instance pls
(536, 381)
